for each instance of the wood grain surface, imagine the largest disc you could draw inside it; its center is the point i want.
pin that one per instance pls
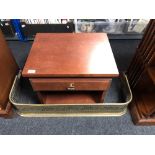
(70, 55)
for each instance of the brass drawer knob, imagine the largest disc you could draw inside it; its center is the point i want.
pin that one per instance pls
(71, 87)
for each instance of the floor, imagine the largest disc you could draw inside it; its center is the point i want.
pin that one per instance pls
(123, 52)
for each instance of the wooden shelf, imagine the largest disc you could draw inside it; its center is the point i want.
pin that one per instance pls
(78, 97)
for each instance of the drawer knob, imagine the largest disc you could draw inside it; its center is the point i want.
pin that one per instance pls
(71, 87)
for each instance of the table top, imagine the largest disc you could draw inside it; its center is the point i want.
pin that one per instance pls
(70, 55)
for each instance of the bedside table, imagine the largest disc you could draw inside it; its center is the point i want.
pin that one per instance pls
(70, 68)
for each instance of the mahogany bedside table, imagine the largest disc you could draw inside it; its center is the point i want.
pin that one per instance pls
(70, 68)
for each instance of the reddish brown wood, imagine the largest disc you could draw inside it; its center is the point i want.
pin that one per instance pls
(145, 50)
(70, 68)
(79, 97)
(70, 55)
(137, 110)
(152, 60)
(8, 70)
(141, 74)
(7, 111)
(151, 72)
(40, 97)
(65, 84)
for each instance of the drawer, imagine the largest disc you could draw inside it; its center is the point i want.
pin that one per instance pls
(70, 84)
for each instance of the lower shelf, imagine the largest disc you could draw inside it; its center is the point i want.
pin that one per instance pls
(79, 97)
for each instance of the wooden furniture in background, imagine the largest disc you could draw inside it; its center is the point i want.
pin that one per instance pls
(141, 75)
(8, 70)
(70, 68)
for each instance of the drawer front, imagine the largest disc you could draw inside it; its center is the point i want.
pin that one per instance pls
(70, 84)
